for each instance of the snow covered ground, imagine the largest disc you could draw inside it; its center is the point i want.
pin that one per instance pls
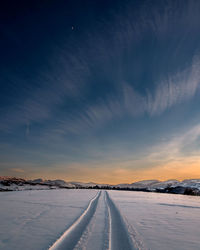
(35, 219)
(161, 221)
(94, 220)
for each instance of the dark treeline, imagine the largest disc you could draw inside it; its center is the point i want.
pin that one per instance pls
(169, 190)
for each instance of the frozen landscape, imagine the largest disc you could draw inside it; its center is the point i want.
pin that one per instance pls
(98, 219)
(187, 187)
(100, 125)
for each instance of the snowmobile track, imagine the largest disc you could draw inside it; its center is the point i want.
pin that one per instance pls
(71, 236)
(119, 236)
(117, 233)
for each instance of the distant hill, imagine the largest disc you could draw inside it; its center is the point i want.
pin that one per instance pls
(188, 186)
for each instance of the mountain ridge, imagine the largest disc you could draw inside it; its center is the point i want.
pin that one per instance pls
(187, 186)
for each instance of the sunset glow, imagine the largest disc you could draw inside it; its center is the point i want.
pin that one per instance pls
(102, 92)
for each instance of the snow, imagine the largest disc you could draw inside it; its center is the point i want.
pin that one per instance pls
(35, 219)
(191, 186)
(99, 227)
(15, 187)
(74, 232)
(193, 183)
(93, 220)
(161, 221)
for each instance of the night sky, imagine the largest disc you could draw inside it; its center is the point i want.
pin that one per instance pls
(104, 91)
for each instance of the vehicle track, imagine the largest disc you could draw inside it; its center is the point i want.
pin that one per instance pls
(100, 227)
(72, 235)
(119, 236)
(96, 234)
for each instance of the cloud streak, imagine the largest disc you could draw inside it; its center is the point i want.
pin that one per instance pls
(66, 74)
(47, 91)
(176, 89)
(172, 91)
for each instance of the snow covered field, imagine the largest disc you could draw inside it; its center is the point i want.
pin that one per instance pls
(35, 219)
(90, 219)
(161, 221)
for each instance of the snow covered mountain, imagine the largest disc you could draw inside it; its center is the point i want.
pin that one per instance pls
(189, 186)
(15, 184)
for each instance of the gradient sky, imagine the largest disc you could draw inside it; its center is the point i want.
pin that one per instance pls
(104, 91)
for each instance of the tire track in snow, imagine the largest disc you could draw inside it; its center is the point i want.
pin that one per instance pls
(85, 232)
(95, 236)
(119, 238)
(72, 235)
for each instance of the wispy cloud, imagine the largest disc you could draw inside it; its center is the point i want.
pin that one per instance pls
(174, 90)
(17, 170)
(60, 80)
(66, 72)
(173, 149)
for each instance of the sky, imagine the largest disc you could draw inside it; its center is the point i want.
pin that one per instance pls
(102, 91)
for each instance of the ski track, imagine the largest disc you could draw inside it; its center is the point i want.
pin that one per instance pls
(100, 227)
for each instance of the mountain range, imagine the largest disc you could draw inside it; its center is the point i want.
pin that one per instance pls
(188, 186)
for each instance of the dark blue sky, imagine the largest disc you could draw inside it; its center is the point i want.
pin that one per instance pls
(100, 90)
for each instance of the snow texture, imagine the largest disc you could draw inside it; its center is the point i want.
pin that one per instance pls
(35, 219)
(94, 220)
(160, 221)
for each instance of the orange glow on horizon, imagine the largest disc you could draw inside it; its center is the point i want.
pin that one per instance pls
(109, 175)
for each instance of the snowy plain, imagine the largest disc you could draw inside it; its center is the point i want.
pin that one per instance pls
(35, 219)
(92, 220)
(161, 221)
